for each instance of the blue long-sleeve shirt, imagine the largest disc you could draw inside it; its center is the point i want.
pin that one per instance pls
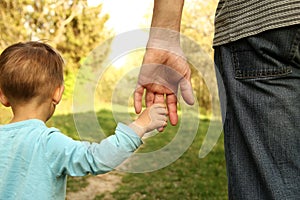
(35, 160)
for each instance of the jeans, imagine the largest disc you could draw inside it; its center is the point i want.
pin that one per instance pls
(261, 76)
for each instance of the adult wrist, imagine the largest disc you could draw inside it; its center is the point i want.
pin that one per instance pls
(162, 38)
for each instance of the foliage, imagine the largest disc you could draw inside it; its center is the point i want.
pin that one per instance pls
(70, 26)
(115, 82)
(198, 22)
(5, 115)
(197, 27)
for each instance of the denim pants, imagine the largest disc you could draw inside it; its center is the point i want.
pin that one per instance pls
(261, 76)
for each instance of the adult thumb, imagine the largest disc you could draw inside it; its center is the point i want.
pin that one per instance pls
(187, 91)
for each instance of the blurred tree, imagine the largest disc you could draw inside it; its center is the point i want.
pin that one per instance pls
(198, 22)
(197, 28)
(72, 26)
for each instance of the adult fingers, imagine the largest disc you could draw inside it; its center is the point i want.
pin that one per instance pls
(138, 97)
(171, 101)
(149, 98)
(187, 91)
(159, 98)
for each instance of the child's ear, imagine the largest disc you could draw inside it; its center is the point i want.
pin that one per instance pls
(3, 99)
(58, 94)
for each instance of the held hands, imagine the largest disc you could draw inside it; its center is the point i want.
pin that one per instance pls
(164, 69)
(153, 117)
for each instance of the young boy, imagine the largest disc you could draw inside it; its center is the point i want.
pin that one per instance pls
(34, 159)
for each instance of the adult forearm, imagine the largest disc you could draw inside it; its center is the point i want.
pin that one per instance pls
(167, 14)
(166, 20)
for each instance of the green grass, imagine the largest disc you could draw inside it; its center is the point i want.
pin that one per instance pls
(75, 184)
(189, 177)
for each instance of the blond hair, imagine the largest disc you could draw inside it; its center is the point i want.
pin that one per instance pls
(29, 70)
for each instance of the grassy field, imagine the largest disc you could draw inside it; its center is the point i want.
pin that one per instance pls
(189, 177)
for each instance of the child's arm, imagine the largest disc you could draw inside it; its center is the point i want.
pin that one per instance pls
(75, 158)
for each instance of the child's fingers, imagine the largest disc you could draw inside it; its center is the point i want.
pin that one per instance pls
(161, 121)
(160, 109)
(161, 118)
(159, 105)
(161, 128)
(159, 114)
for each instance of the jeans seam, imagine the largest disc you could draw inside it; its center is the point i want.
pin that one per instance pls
(294, 46)
(237, 70)
(262, 73)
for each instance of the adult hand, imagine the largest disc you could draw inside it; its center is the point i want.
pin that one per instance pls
(163, 70)
(164, 66)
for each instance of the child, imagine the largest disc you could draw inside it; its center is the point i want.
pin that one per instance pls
(34, 159)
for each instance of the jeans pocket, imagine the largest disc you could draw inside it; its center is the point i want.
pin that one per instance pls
(266, 55)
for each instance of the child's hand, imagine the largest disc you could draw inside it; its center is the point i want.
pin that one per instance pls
(153, 117)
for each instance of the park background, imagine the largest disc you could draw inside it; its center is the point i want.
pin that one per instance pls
(78, 27)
